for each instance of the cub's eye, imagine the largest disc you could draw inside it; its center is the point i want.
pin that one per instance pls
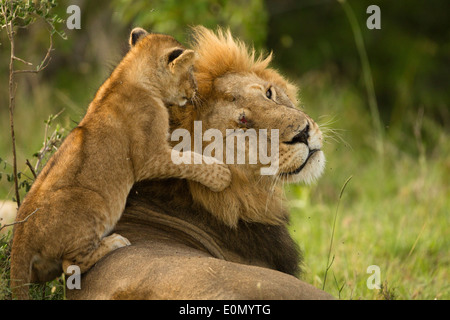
(269, 93)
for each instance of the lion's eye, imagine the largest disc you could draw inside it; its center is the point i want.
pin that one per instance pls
(269, 93)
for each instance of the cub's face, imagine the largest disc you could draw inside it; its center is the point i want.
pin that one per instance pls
(181, 85)
(167, 65)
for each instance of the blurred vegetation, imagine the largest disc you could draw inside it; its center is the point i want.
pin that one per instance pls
(409, 56)
(246, 18)
(394, 212)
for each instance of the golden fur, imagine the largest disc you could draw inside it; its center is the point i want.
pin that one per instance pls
(232, 80)
(80, 195)
(229, 55)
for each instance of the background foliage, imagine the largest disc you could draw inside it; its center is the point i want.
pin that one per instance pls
(394, 213)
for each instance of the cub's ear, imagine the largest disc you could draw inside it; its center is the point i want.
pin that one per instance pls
(135, 35)
(179, 59)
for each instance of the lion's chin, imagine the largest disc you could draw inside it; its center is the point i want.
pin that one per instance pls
(308, 171)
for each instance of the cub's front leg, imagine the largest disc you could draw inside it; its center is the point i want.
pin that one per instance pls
(207, 170)
(174, 164)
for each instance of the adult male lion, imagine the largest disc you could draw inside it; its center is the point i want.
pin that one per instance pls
(191, 243)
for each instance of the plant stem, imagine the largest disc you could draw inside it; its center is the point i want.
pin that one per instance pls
(367, 74)
(332, 233)
(10, 32)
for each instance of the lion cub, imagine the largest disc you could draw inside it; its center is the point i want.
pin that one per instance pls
(79, 196)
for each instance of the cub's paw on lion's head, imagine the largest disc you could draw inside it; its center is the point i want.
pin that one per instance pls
(223, 175)
(116, 241)
(219, 177)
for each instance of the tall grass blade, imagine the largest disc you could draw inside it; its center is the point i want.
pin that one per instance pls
(332, 233)
(367, 74)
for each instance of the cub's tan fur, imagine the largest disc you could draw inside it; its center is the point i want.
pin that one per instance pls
(81, 193)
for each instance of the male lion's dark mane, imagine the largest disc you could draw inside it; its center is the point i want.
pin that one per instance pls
(257, 242)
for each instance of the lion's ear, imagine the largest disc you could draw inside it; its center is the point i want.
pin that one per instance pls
(135, 35)
(179, 59)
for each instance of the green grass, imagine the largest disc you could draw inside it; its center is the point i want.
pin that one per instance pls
(394, 213)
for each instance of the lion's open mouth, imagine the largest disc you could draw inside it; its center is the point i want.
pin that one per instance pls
(296, 171)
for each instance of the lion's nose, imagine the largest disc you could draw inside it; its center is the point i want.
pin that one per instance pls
(301, 137)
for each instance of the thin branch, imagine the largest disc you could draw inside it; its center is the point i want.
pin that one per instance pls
(21, 221)
(31, 169)
(9, 26)
(21, 60)
(10, 33)
(45, 62)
